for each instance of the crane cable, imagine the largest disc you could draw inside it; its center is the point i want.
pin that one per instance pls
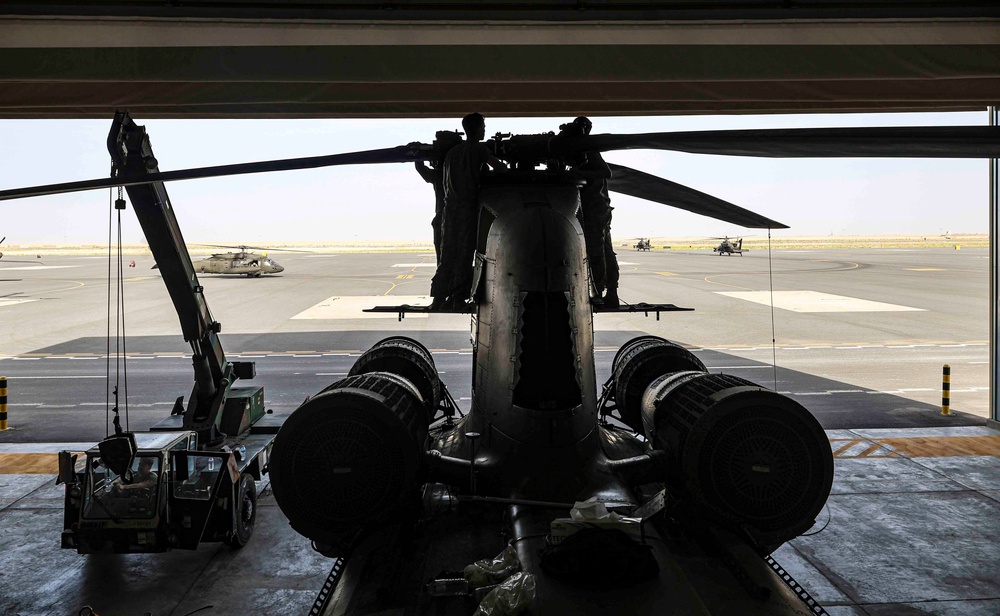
(121, 367)
(770, 284)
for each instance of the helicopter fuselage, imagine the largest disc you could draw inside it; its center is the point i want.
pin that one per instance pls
(241, 264)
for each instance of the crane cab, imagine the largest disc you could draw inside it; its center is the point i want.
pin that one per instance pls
(174, 495)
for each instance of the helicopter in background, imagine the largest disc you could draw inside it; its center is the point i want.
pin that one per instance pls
(243, 262)
(642, 244)
(707, 473)
(729, 246)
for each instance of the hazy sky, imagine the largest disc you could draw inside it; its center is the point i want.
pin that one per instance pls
(812, 196)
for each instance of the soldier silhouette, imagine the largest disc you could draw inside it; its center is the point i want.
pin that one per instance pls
(595, 207)
(451, 286)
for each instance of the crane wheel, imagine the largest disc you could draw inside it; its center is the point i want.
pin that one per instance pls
(246, 512)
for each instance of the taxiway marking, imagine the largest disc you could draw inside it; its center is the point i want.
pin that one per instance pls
(11, 301)
(814, 301)
(352, 306)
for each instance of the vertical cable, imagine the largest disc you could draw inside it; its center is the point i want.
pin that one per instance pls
(107, 355)
(121, 295)
(770, 282)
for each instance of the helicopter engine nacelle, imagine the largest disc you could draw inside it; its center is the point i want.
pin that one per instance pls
(407, 358)
(637, 364)
(745, 456)
(349, 458)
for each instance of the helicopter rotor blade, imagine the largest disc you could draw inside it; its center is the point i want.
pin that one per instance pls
(245, 248)
(886, 142)
(635, 183)
(398, 154)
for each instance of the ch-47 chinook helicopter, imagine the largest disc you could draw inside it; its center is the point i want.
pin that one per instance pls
(729, 246)
(706, 474)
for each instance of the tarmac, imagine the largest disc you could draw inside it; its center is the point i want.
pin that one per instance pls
(912, 525)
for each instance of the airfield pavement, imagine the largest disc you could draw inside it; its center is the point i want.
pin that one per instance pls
(859, 338)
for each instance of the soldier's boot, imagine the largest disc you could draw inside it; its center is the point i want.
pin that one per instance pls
(611, 298)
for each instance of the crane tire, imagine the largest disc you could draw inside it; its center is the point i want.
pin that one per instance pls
(246, 512)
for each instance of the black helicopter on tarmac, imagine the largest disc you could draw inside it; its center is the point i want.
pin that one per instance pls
(662, 491)
(729, 246)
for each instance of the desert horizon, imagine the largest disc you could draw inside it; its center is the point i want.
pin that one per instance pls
(750, 242)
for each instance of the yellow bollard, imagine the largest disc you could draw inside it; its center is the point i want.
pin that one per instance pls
(946, 390)
(3, 403)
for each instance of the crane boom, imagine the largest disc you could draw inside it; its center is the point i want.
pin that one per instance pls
(132, 155)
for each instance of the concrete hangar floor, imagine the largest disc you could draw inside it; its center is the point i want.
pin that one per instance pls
(911, 526)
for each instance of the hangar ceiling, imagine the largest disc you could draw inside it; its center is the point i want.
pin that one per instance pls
(411, 59)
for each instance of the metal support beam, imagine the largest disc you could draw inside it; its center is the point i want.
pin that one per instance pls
(994, 421)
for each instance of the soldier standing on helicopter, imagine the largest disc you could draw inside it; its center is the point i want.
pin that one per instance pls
(434, 175)
(463, 165)
(595, 205)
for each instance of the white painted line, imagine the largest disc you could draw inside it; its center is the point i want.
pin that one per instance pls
(847, 391)
(331, 374)
(35, 267)
(26, 358)
(12, 301)
(626, 263)
(307, 355)
(84, 376)
(814, 301)
(352, 307)
(78, 358)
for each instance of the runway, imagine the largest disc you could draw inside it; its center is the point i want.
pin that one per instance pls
(860, 340)
(858, 337)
